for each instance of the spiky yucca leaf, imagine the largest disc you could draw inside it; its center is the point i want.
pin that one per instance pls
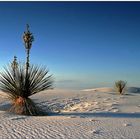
(19, 85)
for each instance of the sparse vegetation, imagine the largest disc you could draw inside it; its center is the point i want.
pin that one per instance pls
(20, 81)
(120, 86)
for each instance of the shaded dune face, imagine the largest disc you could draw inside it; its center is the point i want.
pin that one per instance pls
(107, 89)
(133, 90)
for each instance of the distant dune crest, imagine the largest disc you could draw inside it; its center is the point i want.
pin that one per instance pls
(107, 89)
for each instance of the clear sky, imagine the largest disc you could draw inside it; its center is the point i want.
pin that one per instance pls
(84, 44)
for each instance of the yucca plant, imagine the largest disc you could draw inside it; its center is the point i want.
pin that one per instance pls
(120, 86)
(20, 85)
(22, 81)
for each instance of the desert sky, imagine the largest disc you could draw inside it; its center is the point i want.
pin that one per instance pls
(83, 44)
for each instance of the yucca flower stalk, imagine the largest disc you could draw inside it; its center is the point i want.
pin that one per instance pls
(20, 86)
(14, 65)
(28, 38)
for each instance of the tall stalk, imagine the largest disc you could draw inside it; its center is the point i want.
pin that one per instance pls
(27, 60)
(14, 65)
(28, 39)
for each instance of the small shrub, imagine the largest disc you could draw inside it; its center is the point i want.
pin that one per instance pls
(120, 86)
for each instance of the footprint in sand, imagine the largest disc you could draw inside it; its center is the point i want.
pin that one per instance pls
(98, 97)
(113, 107)
(115, 110)
(96, 131)
(106, 99)
(126, 124)
(109, 104)
(92, 120)
(112, 104)
(96, 108)
(106, 110)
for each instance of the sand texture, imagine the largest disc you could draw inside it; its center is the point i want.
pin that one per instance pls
(95, 113)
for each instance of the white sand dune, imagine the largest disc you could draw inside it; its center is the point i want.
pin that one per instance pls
(75, 114)
(104, 89)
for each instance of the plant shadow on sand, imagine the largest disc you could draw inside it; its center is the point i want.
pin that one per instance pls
(6, 106)
(125, 94)
(98, 114)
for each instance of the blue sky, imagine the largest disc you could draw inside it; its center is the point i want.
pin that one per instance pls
(84, 44)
